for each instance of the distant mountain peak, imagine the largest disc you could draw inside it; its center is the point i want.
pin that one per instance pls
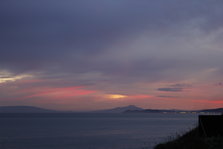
(132, 106)
(120, 109)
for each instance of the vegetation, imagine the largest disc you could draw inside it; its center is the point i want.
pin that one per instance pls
(192, 140)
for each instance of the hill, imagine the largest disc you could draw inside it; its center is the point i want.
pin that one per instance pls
(192, 140)
(119, 109)
(218, 110)
(24, 109)
(154, 111)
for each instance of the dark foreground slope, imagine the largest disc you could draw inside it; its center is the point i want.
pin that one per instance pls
(191, 140)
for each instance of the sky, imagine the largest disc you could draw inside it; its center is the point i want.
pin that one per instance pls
(87, 55)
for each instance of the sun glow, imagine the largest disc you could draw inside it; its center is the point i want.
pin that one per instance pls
(116, 96)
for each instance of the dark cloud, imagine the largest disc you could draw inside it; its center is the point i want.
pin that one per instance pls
(179, 87)
(220, 84)
(170, 89)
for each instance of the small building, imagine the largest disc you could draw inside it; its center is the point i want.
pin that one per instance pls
(211, 125)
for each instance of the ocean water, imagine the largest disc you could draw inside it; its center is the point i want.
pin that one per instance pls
(91, 130)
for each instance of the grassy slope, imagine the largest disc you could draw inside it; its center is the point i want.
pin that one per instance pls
(191, 140)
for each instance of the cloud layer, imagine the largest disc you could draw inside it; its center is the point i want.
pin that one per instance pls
(113, 47)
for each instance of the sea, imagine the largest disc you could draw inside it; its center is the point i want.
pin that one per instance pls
(92, 130)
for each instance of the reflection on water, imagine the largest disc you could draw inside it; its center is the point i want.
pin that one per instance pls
(90, 130)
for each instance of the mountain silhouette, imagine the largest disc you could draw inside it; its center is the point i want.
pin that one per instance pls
(119, 109)
(24, 109)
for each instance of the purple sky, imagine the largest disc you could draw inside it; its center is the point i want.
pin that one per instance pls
(86, 55)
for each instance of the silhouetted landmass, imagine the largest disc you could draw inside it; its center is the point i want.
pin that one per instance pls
(218, 110)
(24, 109)
(154, 111)
(125, 109)
(120, 109)
(192, 140)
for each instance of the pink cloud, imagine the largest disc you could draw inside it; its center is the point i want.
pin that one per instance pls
(31, 81)
(59, 93)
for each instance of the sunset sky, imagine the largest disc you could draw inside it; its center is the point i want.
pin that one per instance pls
(98, 54)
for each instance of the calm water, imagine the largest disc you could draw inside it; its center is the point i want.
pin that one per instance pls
(91, 131)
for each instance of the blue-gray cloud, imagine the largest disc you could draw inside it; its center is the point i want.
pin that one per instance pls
(179, 87)
(170, 89)
(124, 41)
